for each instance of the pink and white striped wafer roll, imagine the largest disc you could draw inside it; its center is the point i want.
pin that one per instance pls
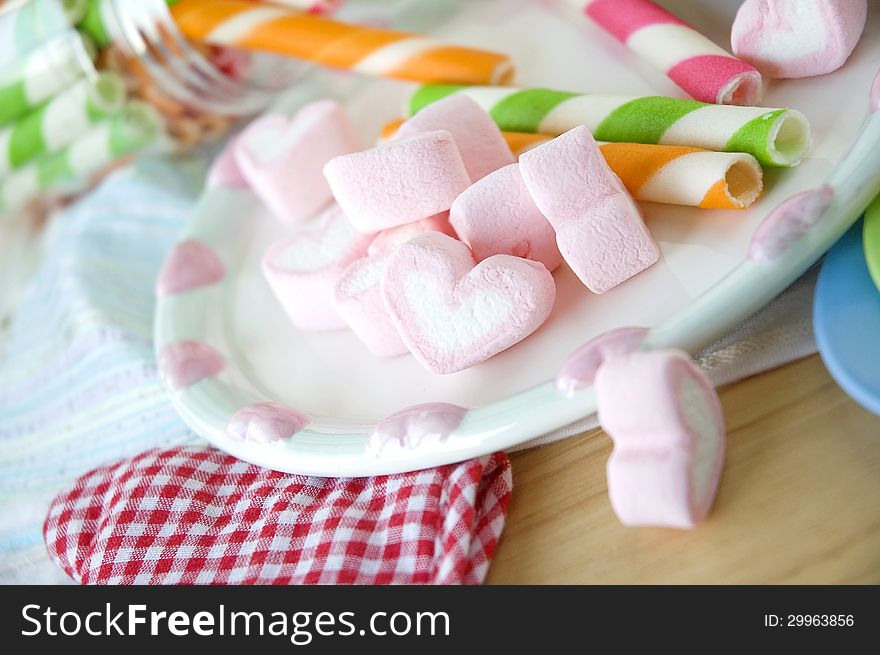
(704, 70)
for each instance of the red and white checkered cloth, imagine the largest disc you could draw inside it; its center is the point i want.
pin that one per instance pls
(197, 516)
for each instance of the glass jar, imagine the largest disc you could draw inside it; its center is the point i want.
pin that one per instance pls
(194, 93)
(208, 78)
(198, 90)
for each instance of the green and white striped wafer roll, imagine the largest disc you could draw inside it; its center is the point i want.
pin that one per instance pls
(776, 137)
(60, 120)
(26, 27)
(42, 73)
(137, 126)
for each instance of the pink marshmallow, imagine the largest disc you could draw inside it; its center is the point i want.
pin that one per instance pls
(599, 229)
(668, 430)
(496, 216)
(389, 240)
(480, 142)
(797, 38)
(359, 301)
(283, 158)
(398, 182)
(225, 171)
(303, 269)
(452, 314)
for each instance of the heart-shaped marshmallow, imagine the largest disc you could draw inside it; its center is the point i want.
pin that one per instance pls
(452, 314)
(283, 158)
(303, 269)
(497, 216)
(225, 171)
(398, 182)
(480, 142)
(797, 38)
(387, 241)
(358, 292)
(359, 302)
(599, 229)
(668, 430)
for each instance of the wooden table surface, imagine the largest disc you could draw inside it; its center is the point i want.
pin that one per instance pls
(799, 501)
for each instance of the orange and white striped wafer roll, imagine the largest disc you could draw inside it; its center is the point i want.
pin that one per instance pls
(673, 175)
(679, 175)
(367, 50)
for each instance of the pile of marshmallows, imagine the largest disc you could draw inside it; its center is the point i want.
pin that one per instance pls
(438, 243)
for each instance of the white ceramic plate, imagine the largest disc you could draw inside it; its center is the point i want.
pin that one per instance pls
(703, 285)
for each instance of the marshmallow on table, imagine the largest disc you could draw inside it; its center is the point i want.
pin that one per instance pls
(304, 268)
(798, 38)
(388, 240)
(398, 182)
(599, 229)
(480, 142)
(497, 216)
(283, 158)
(358, 298)
(452, 314)
(668, 431)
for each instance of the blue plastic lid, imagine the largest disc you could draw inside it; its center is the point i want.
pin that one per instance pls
(846, 320)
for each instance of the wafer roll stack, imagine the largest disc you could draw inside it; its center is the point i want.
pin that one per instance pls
(33, 23)
(58, 122)
(133, 129)
(41, 73)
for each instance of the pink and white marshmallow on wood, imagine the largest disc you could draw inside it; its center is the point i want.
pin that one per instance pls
(303, 269)
(453, 314)
(283, 158)
(668, 430)
(599, 228)
(480, 142)
(798, 38)
(701, 68)
(497, 216)
(398, 182)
